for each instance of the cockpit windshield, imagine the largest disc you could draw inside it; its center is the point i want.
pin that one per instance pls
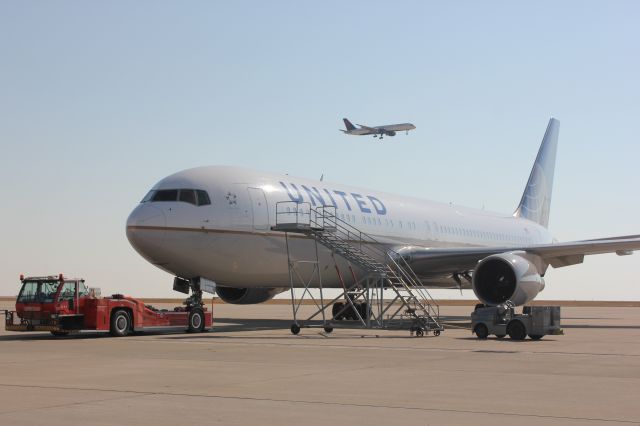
(38, 291)
(197, 197)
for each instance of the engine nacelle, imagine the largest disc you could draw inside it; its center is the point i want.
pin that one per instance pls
(506, 276)
(247, 296)
(391, 133)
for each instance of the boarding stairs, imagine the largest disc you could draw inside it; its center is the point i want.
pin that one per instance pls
(410, 300)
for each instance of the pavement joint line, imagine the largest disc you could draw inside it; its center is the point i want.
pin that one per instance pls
(406, 348)
(328, 403)
(311, 374)
(70, 404)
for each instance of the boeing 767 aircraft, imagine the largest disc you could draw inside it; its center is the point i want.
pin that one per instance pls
(216, 223)
(389, 130)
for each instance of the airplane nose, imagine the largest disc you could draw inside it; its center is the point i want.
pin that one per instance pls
(146, 229)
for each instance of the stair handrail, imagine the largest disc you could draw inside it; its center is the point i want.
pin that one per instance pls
(298, 211)
(389, 254)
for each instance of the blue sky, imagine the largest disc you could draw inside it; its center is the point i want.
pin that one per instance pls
(99, 100)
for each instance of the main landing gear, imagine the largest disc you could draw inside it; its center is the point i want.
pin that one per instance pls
(344, 311)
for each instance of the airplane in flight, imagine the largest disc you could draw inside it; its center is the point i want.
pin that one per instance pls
(215, 223)
(389, 130)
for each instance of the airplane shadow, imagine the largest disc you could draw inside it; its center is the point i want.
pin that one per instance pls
(223, 326)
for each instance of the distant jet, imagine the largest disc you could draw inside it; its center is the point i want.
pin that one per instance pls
(389, 130)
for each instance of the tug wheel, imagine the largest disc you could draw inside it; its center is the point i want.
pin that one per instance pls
(295, 328)
(481, 331)
(196, 321)
(328, 329)
(535, 336)
(120, 323)
(419, 333)
(516, 330)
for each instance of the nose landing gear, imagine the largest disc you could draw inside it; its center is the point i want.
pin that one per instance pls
(194, 304)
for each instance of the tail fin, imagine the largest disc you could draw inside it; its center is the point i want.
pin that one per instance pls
(348, 125)
(536, 200)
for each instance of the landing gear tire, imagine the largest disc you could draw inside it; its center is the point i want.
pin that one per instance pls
(295, 328)
(350, 313)
(363, 310)
(196, 321)
(481, 331)
(120, 324)
(535, 336)
(328, 329)
(516, 330)
(60, 333)
(335, 311)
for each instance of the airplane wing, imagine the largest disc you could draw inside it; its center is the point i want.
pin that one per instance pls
(439, 262)
(371, 129)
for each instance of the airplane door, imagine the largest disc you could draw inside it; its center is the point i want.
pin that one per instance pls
(260, 209)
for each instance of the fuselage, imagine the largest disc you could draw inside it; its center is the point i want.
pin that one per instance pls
(221, 230)
(388, 129)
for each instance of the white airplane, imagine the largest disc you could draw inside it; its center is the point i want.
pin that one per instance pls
(215, 223)
(389, 130)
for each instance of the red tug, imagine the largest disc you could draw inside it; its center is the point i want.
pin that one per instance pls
(65, 305)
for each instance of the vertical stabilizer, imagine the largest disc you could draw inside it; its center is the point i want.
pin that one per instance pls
(536, 200)
(348, 125)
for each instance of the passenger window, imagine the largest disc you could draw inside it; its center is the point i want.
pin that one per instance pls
(166, 195)
(203, 197)
(188, 196)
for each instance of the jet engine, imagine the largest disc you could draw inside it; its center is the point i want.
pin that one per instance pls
(391, 133)
(246, 296)
(506, 276)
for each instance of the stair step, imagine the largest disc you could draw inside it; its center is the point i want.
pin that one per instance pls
(340, 239)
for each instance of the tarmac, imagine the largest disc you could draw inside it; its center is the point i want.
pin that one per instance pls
(251, 370)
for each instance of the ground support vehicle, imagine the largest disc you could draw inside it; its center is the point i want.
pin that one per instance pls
(502, 320)
(62, 306)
